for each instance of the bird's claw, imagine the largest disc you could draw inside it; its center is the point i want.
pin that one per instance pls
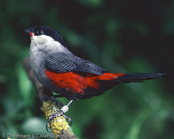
(60, 113)
(68, 118)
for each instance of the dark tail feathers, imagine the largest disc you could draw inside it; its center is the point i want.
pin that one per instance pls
(138, 77)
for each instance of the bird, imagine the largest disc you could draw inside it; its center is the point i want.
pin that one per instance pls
(59, 70)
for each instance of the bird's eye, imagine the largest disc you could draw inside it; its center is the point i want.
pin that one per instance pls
(40, 32)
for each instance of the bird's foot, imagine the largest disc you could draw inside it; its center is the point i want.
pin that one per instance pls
(60, 113)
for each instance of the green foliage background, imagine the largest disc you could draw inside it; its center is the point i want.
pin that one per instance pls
(119, 35)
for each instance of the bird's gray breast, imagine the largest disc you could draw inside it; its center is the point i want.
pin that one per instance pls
(37, 58)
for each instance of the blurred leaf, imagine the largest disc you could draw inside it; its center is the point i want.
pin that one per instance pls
(25, 88)
(35, 125)
(137, 124)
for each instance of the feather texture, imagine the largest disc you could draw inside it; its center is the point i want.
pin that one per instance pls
(65, 62)
(138, 77)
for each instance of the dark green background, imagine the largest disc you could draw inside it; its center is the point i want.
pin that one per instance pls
(119, 35)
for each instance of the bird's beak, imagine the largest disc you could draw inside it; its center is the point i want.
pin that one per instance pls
(30, 31)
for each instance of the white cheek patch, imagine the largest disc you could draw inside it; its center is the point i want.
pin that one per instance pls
(42, 39)
(47, 43)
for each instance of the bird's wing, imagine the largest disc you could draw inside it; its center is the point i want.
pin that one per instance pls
(61, 62)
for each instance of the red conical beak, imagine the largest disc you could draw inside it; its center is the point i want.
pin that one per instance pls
(30, 31)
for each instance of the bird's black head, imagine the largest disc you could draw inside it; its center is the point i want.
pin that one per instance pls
(44, 30)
